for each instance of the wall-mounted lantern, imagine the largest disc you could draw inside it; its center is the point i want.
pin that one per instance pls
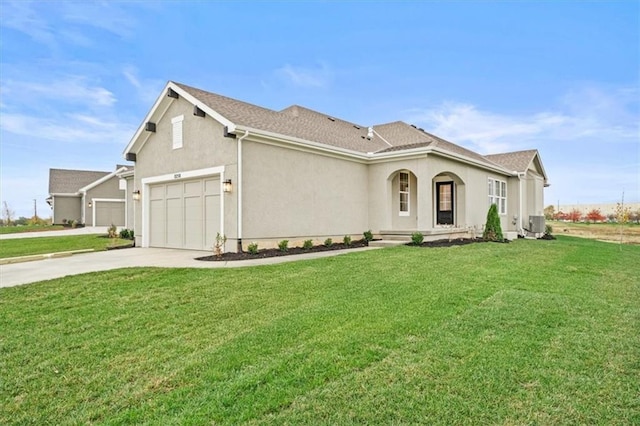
(226, 185)
(136, 195)
(90, 204)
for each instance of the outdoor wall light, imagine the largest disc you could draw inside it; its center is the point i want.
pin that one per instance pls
(226, 185)
(136, 195)
(90, 204)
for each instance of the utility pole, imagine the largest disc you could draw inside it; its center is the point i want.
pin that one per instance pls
(35, 209)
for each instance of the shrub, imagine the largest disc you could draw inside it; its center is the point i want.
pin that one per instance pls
(346, 240)
(73, 223)
(493, 229)
(417, 238)
(253, 248)
(64, 221)
(328, 242)
(283, 245)
(307, 245)
(218, 247)
(548, 229)
(368, 236)
(112, 231)
(124, 234)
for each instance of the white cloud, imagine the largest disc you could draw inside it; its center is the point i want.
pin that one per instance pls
(70, 128)
(589, 113)
(107, 16)
(71, 89)
(147, 89)
(317, 77)
(22, 17)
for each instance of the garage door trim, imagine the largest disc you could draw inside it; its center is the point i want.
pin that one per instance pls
(107, 200)
(174, 177)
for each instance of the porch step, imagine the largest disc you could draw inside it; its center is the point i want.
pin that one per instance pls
(387, 243)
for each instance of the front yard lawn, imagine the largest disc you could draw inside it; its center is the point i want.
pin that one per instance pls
(29, 228)
(42, 245)
(532, 332)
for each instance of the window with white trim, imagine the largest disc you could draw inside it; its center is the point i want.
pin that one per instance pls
(498, 194)
(176, 123)
(404, 193)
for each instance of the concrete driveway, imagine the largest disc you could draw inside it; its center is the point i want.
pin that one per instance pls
(60, 233)
(28, 272)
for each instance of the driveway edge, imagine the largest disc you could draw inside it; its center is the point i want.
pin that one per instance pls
(33, 257)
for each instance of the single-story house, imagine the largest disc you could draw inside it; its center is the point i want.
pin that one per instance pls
(92, 198)
(208, 164)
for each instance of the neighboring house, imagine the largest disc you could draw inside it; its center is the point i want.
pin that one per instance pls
(89, 197)
(208, 164)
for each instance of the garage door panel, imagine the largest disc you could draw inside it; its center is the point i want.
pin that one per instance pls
(109, 213)
(212, 219)
(174, 222)
(158, 223)
(186, 214)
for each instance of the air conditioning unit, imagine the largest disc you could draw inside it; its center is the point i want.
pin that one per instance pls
(536, 224)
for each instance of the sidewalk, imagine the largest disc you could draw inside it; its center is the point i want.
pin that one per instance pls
(63, 232)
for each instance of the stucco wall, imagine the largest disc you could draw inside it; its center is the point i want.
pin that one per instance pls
(204, 146)
(108, 189)
(290, 194)
(66, 208)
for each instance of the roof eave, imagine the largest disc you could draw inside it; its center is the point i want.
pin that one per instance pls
(103, 179)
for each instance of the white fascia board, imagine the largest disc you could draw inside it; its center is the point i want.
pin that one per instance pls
(303, 143)
(465, 159)
(181, 92)
(126, 174)
(101, 180)
(63, 194)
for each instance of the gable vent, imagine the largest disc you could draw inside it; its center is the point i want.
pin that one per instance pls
(357, 127)
(150, 127)
(331, 119)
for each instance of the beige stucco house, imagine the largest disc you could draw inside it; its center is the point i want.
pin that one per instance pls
(208, 164)
(93, 198)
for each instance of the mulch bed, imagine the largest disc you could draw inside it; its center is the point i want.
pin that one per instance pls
(274, 252)
(453, 242)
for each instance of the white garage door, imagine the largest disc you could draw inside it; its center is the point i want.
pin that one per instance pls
(109, 213)
(185, 214)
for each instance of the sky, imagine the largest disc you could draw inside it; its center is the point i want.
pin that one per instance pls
(78, 78)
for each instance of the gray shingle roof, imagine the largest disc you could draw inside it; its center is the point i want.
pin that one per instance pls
(303, 123)
(62, 181)
(517, 161)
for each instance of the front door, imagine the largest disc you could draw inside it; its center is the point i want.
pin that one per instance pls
(444, 203)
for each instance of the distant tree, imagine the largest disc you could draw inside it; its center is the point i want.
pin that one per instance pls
(595, 216)
(549, 212)
(574, 215)
(635, 216)
(493, 229)
(560, 216)
(7, 213)
(611, 217)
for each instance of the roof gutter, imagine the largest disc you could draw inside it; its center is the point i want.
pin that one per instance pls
(239, 190)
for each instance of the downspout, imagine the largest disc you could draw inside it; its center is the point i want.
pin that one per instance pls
(520, 230)
(239, 190)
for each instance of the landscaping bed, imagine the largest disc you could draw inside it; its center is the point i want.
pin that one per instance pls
(276, 252)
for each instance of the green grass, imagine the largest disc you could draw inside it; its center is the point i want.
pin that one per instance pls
(42, 245)
(29, 228)
(532, 332)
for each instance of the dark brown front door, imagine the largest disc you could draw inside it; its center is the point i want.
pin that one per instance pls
(444, 203)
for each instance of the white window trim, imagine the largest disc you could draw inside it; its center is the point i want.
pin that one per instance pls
(177, 132)
(495, 199)
(408, 192)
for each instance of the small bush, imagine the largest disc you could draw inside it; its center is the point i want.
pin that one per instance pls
(307, 245)
(124, 234)
(346, 240)
(253, 248)
(283, 245)
(64, 221)
(112, 231)
(548, 229)
(218, 247)
(368, 236)
(328, 242)
(493, 229)
(73, 223)
(417, 238)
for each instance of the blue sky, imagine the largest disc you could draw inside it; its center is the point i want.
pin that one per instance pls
(77, 78)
